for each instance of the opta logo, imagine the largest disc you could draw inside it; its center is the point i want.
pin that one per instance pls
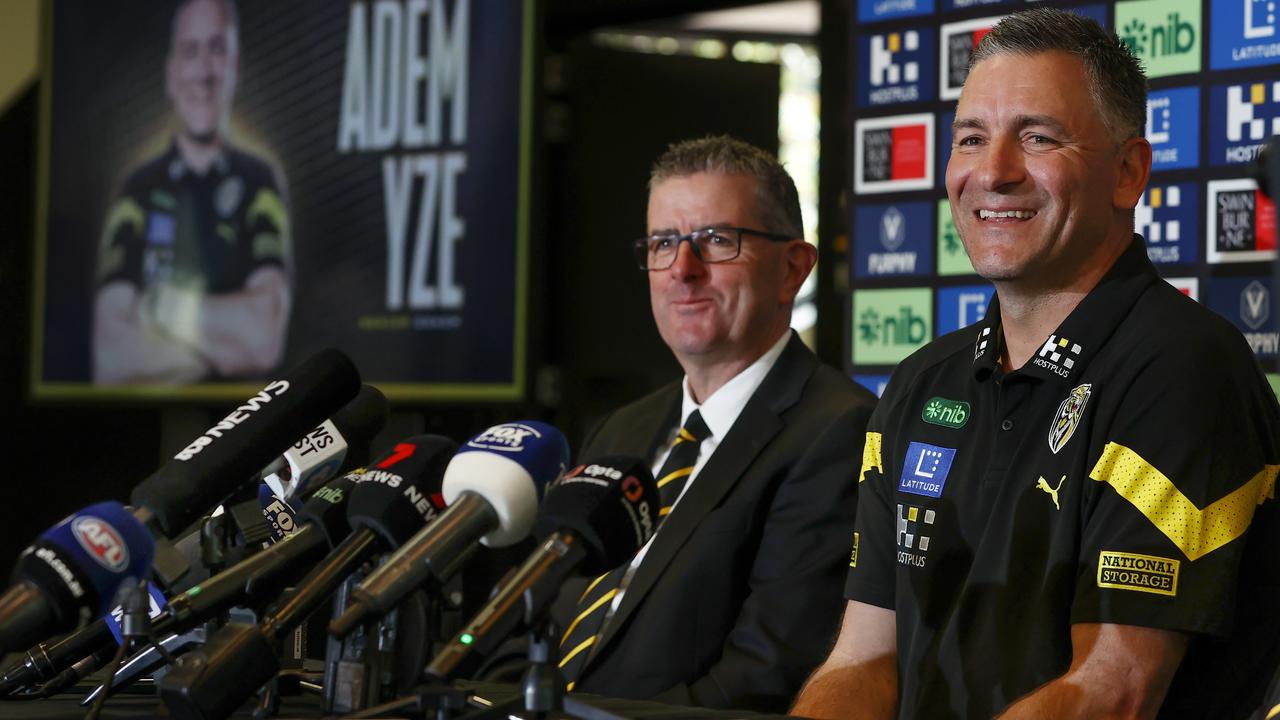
(1164, 34)
(1167, 216)
(1243, 34)
(632, 488)
(1242, 222)
(509, 437)
(955, 47)
(893, 153)
(1243, 117)
(1173, 128)
(899, 67)
(102, 541)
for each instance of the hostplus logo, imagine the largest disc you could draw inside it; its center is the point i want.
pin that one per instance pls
(1243, 117)
(899, 67)
(1164, 34)
(890, 324)
(1058, 355)
(913, 522)
(1166, 216)
(1244, 33)
(1173, 128)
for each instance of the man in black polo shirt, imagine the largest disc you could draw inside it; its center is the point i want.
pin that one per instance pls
(193, 268)
(1067, 510)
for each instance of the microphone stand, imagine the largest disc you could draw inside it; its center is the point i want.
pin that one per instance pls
(135, 629)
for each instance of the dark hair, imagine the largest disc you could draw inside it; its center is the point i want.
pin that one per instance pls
(723, 155)
(1117, 82)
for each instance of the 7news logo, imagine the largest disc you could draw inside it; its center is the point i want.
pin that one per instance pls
(1167, 217)
(1244, 33)
(1242, 118)
(898, 67)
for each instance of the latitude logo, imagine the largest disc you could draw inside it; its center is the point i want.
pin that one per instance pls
(1244, 33)
(1173, 127)
(1164, 34)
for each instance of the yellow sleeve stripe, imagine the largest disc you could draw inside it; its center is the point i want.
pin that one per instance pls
(871, 455)
(1196, 532)
(267, 203)
(125, 211)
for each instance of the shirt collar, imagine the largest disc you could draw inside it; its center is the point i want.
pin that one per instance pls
(178, 168)
(1068, 349)
(721, 410)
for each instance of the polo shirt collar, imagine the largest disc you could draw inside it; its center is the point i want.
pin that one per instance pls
(1063, 355)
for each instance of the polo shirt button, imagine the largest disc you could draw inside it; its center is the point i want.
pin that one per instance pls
(1007, 424)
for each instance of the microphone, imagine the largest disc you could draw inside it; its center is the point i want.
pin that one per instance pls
(245, 441)
(322, 522)
(72, 571)
(491, 487)
(592, 520)
(337, 445)
(388, 504)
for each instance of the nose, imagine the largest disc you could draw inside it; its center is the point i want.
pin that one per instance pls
(1001, 166)
(688, 264)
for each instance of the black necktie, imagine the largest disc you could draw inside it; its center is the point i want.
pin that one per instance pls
(593, 606)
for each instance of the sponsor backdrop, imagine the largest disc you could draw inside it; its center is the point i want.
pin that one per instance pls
(399, 136)
(1214, 68)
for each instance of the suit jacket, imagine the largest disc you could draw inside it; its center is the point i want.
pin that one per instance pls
(740, 594)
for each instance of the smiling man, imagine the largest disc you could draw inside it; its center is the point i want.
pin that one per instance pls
(193, 267)
(734, 601)
(1096, 537)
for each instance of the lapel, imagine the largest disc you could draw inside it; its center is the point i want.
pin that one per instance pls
(759, 422)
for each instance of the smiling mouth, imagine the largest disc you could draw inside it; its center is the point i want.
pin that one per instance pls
(1006, 214)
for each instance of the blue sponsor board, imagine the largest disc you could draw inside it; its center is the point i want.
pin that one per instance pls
(1173, 128)
(960, 307)
(1241, 118)
(924, 471)
(1244, 33)
(894, 240)
(944, 145)
(875, 10)
(896, 67)
(949, 5)
(1096, 12)
(874, 383)
(1168, 217)
(1250, 304)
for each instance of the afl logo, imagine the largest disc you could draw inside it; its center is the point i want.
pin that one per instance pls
(103, 542)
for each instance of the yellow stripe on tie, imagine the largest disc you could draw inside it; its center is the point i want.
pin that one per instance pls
(569, 687)
(581, 646)
(675, 475)
(591, 587)
(1196, 532)
(685, 435)
(1273, 712)
(871, 455)
(594, 606)
(662, 512)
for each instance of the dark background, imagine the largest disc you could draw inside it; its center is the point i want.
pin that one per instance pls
(601, 116)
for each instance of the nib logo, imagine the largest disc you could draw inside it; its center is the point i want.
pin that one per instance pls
(1164, 34)
(890, 324)
(1135, 36)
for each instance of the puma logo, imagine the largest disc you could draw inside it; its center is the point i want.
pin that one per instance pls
(1053, 491)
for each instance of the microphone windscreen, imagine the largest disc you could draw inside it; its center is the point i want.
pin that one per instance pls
(338, 444)
(327, 508)
(81, 562)
(400, 492)
(509, 465)
(611, 503)
(248, 438)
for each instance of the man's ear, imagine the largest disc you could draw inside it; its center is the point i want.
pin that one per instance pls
(799, 258)
(1133, 170)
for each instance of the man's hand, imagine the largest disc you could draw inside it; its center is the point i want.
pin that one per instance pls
(860, 677)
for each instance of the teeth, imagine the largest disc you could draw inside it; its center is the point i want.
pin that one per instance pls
(1019, 214)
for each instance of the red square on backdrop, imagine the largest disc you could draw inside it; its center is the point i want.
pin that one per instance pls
(910, 152)
(1264, 223)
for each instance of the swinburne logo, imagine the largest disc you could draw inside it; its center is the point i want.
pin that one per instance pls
(956, 46)
(1242, 222)
(509, 437)
(237, 416)
(894, 153)
(102, 541)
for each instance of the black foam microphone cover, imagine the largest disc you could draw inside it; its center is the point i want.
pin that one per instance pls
(246, 440)
(327, 508)
(611, 503)
(400, 491)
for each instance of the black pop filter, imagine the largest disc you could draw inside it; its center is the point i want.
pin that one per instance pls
(401, 492)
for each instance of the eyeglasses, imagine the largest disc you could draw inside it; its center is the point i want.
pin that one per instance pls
(709, 245)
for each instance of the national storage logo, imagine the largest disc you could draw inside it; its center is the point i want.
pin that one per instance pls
(894, 239)
(1244, 33)
(960, 307)
(1164, 34)
(1167, 216)
(1173, 128)
(1242, 117)
(1241, 222)
(1250, 304)
(889, 325)
(875, 10)
(897, 67)
(956, 44)
(953, 259)
(893, 153)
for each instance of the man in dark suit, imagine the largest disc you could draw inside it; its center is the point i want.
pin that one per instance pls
(735, 599)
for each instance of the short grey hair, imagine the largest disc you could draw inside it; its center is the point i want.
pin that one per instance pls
(724, 155)
(1117, 82)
